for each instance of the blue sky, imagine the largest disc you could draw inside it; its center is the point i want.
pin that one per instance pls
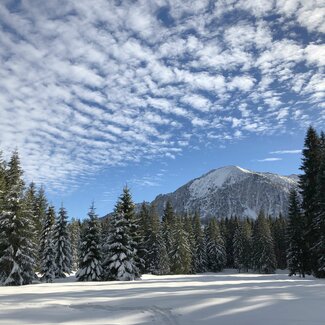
(99, 94)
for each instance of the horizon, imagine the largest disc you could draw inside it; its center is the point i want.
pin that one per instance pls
(155, 94)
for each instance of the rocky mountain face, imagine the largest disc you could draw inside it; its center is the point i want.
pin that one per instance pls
(231, 191)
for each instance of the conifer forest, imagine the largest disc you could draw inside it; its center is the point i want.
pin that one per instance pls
(39, 243)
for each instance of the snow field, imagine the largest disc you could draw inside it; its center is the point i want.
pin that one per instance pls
(225, 298)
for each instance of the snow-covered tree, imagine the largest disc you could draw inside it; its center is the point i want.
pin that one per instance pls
(156, 257)
(296, 251)
(308, 182)
(75, 229)
(216, 253)
(126, 207)
(47, 254)
(90, 268)
(16, 261)
(180, 254)
(278, 230)
(62, 245)
(263, 249)
(199, 259)
(168, 222)
(119, 263)
(318, 249)
(243, 246)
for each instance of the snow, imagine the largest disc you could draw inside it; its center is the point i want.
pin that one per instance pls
(212, 298)
(216, 179)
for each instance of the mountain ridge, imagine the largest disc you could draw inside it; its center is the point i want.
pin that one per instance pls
(231, 190)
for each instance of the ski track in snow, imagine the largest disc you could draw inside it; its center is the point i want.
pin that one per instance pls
(226, 298)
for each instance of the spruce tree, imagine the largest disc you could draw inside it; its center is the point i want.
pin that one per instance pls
(297, 250)
(62, 245)
(143, 222)
(263, 249)
(16, 261)
(308, 183)
(180, 254)
(199, 259)
(168, 223)
(74, 228)
(41, 206)
(120, 261)
(243, 246)
(47, 254)
(126, 207)
(90, 257)
(278, 229)
(318, 250)
(157, 261)
(216, 252)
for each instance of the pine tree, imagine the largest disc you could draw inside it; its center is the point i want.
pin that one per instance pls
(74, 229)
(168, 222)
(263, 248)
(143, 222)
(199, 259)
(126, 207)
(278, 229)
(216, 252)
(119, 263)
(188, 227)
(157, 261)
(180, 254)
(318, 249)
(90, 258)
(41, 206)
(308, 186)
(16, 260)
(62, 245)
(297, 250)
(29, 207)
(243, 246)
(47, 253)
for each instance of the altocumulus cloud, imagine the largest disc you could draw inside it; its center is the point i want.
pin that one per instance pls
(92, 84)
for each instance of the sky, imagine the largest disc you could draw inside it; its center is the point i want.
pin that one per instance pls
(96, 95)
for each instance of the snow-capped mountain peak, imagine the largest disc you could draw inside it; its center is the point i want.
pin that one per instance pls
(232, 190)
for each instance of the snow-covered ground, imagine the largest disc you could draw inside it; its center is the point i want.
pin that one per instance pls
(223, 298)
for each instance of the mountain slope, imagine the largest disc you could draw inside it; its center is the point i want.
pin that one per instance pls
(232, 190)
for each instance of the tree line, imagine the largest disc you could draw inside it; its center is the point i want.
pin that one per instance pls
(36, 242)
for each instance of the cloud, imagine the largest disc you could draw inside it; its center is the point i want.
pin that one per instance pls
(269, 159)
(83, 87)
(283, 152)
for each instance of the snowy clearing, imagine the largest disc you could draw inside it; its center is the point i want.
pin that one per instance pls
(221, 298)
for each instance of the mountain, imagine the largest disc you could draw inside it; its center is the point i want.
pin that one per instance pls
(232, 190)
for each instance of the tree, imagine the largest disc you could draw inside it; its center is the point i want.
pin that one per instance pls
(308, 183)
(62, 245)
(47, 254)
(278, 229)
(17, 251)
(318, 249)
(126, 207)
(243, 246)
(263, 249)
(199, 259)
(297, 250)
(143, 233)
(90, 258)
(216, 252)
(180, 254)
(74, 228)
(157, 261)
(168, 222)
(120, 264)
